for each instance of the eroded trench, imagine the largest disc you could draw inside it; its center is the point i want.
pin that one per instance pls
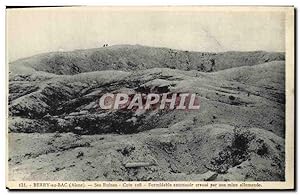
(65, 110)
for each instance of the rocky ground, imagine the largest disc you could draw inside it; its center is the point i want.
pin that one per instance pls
(57, 131)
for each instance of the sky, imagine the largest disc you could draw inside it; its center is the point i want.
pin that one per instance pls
(40, 30)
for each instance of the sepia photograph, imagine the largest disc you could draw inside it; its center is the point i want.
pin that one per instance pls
(162, 97)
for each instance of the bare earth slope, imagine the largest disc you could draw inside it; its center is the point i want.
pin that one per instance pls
(238, 133)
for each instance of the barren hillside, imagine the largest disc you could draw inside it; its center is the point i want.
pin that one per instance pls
(56, 124)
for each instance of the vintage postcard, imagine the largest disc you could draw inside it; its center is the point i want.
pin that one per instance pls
(150, 98)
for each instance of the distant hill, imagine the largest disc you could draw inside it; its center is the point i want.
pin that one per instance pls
(137, 57)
